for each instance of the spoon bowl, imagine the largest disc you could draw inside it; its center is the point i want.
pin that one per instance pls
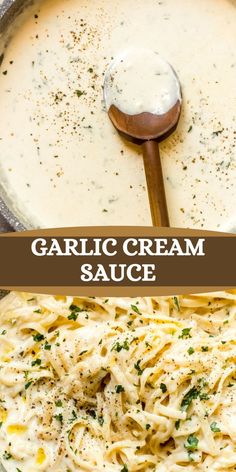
(146, 126)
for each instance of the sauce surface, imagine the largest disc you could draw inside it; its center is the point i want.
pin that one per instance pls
(61, 161)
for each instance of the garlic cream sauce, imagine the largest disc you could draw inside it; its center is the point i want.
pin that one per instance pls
(139, 81)
(61, 161)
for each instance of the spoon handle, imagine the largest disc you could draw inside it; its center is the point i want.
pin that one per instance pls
(155, 183)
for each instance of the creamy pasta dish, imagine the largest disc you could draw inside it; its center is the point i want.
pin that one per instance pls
(118, 384)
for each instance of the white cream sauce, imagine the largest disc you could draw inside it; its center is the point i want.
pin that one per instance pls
(139, 81)
(61, 161)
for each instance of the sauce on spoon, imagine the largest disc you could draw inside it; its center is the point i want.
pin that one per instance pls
(139, 81)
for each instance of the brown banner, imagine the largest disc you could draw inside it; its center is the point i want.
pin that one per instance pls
(119, 261)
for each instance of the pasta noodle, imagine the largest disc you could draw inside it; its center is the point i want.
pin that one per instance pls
(118, 384)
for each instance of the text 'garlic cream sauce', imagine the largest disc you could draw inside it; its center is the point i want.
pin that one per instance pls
(61, 161)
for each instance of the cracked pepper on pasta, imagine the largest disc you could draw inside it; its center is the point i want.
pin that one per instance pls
(118, 384)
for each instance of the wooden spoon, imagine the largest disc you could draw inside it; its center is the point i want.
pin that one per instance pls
(149, 129)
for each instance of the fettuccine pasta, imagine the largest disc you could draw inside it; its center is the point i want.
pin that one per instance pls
(118, 384)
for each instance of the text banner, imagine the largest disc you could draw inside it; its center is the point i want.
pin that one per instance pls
(124, 260)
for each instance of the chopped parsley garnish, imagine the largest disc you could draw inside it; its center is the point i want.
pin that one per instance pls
(3, 332)
(205, 348)
(73, 316)
(192, 443)
(38, 311)
(59, 418)
(135, 309)
(58, 403)
(74, 417)
(75, 308)
(191, 351)
(163, 387)
(47, 346)
(38, 337)
(202, 381)
(138, 368)
(176, 302)
(75, 312)
(177, 424)
(148, 426)
(79, 93)
(1, 424)
(188, 398)
(204, 396)
(118, 347)
(27, 385)
(36, 362)
(215, 428)
(185, 333)
(119, 388)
